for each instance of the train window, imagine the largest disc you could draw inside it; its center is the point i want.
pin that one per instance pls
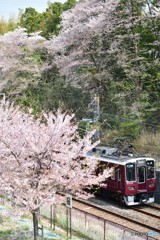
(150, 172)
(113, 175)
(150, 163)
(130, 172)
(103, 152)
(101, 167)
(141, 174)
(150, 169)
(119, 175)
(94, 149)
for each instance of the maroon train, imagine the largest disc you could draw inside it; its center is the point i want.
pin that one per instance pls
(133, 180)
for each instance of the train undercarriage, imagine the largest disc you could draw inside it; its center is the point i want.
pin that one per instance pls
(137, 199)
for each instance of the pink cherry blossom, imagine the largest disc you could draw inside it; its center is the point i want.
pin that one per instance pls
(17, 56)
(41, 156)
(80, 25)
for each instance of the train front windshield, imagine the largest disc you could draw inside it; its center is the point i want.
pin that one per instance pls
(130, 172)
(150, 169)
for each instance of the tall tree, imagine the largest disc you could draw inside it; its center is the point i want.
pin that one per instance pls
(81, 28)
(6, 26)
(48, 22)
(3, 26)
(138, 27)
(52, 17)
(69, 4)
(31, 20)
(113, 46)
(85, 50)
(20, 62)
(40, 157)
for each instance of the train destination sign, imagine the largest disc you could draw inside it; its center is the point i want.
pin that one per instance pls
(141, 162)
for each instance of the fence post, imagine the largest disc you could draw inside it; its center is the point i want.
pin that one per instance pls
(51, 216)
(54, 216)
(70, 222)
(147, 237)
(67, 219)
(42, 233)
(41, 228)
(104, 229)
(124, 233)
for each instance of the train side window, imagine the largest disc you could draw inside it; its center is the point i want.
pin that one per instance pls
(130, 172)
(94, 150)
(119, 175)
(113, 175)
(150, 169)
(150, 172)
(101, 168)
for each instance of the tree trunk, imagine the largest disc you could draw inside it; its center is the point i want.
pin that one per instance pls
(35, 224)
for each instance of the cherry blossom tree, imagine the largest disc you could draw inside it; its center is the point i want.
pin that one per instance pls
(74, 46)
(42, 156)
(112, 48)
(19, 63)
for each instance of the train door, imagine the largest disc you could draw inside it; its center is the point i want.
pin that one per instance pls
(119, 179)
(141, 173)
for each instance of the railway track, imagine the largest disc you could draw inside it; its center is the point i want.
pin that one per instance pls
(138, 225)
(154, 206)
(149, 210)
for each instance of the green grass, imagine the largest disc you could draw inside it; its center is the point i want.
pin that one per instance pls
(6, 232)
(1, 220)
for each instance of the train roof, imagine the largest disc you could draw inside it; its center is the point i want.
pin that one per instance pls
(115, 155)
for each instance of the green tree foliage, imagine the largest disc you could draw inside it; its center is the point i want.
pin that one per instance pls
(48, 22)
(132, 100)
(6, 26)
(69, 4)
(130, 89)
(3, 26)
(52, 92)
(52, 17)
(31, 20)
(139, 27)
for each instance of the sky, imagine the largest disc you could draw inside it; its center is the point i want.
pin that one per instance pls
(10, 7)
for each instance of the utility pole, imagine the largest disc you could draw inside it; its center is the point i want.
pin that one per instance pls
(96, 112)
(95, 109)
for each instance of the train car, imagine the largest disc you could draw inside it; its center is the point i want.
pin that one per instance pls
(133, 180)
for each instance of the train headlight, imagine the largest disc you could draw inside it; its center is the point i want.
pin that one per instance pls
(151, 185)
(130, 198)
(131, 188)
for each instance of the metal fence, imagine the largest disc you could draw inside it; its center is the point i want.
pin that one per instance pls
(86, 224)
(93, 227)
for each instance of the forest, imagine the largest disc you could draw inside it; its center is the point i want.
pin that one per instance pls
(72, 52)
